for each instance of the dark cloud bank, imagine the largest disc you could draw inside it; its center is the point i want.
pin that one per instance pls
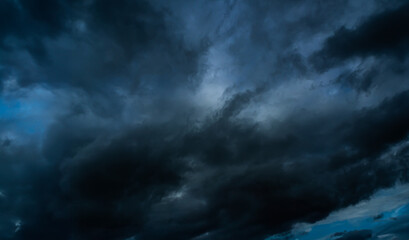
(197, 119)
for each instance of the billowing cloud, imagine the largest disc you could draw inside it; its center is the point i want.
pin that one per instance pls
(385, 33)
(199, 119)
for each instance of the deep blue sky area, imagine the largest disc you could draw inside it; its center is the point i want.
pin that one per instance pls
(204, 120)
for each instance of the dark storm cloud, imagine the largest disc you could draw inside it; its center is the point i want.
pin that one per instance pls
(194, 120)
(88, 188)
(85, 44)
(243, 201)
(115, 184)
(273, 48)
(385, 33)
(359, 79)
(47, 20)
(385, 125)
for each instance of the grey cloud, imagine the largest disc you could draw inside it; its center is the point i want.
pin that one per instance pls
(148, 126)
(381, 34)
(354, 235)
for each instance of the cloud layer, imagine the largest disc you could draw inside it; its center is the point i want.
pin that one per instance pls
(198, 119)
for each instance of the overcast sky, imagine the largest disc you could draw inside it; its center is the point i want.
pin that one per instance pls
(204, 119)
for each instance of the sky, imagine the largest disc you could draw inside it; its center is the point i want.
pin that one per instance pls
(204, 120)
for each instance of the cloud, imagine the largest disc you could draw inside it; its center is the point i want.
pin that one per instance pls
(354, 235)
(88, 44)
(196, 120)
(394, 230)
(385, 33)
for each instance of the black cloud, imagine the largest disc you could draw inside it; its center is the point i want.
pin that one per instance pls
(196, 120)
(86, 44)
(385, 33)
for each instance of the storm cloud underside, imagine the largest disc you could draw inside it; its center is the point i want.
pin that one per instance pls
(199, 119)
